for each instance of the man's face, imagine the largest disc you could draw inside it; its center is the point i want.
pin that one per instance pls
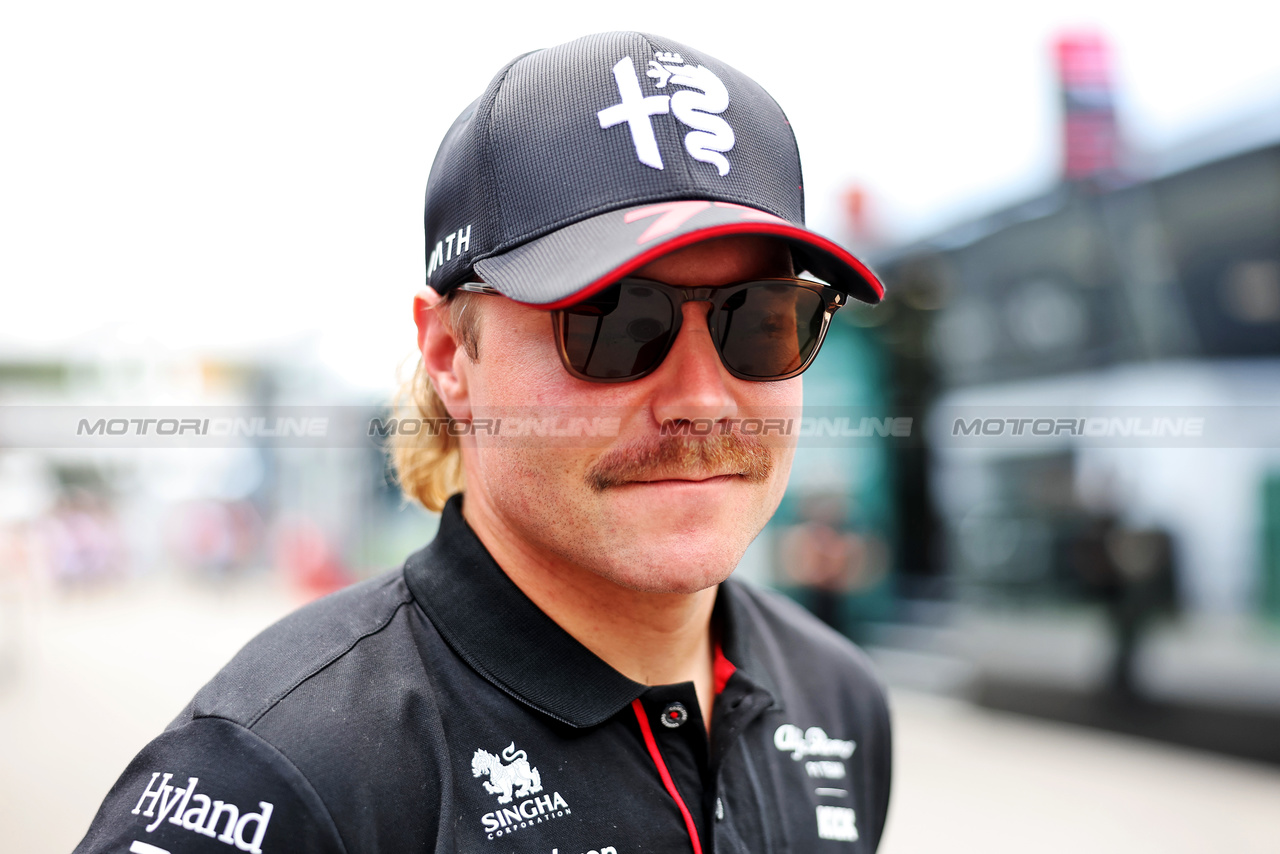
(658, 514)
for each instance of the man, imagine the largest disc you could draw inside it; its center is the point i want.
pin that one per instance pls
(612, 233)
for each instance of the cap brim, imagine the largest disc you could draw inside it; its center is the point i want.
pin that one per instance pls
(578, 260)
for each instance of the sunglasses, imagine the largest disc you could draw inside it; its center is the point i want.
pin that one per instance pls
(764, 330)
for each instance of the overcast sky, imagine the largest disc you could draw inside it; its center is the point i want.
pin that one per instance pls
(242, 178)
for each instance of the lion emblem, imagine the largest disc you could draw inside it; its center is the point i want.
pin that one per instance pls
(517, 778)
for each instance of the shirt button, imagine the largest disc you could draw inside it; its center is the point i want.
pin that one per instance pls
(674, 715)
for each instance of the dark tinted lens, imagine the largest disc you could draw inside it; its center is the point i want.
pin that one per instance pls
(769, 329)
(623, 332)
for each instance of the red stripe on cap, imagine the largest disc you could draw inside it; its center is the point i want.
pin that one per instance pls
(652, 745)
(673, 215)
(723, 230)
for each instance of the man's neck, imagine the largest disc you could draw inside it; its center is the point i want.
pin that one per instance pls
(651, 638)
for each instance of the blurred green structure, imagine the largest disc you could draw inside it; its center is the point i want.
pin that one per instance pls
(843, 485)
(1271, 546)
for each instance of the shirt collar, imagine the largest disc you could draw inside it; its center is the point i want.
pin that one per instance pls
(506, 638)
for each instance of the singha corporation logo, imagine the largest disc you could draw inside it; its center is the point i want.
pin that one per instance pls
(517, 778)
(512, 778)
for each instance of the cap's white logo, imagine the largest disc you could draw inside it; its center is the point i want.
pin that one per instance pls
(517, 777)
(711, 135)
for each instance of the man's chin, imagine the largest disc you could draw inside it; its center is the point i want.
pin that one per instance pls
(671, 580)
(680, 538)
(674, 564)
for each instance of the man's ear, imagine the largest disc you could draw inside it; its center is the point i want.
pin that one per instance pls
(443, 357)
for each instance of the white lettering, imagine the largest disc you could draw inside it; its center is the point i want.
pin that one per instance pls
(825, 769)
(837, 823)
(464, 240)
(244, 831)
(811, 742)
(168, 799)
(293, 426)
(138, 847)
(528, 812)
(177, 813)
(194, 817)
(437, 258)
(260, 820)
(150, 794)
(233, 815)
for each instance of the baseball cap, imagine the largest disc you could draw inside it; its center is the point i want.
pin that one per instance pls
(583, 162)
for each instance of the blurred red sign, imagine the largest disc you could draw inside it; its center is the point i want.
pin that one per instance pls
(1091, 138)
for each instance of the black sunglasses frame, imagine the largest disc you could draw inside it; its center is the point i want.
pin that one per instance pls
(832, 300)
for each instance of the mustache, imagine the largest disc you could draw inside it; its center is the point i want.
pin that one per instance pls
(682, 457)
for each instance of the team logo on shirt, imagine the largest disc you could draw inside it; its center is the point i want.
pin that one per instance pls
(838, 823)
(515, 781)
(834, 822)
(240, 828)
(813, 741)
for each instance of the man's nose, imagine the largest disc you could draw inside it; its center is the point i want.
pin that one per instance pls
(691, 382)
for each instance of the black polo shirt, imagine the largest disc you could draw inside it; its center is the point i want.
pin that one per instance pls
(437, 709)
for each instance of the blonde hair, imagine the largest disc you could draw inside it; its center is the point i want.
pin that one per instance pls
(428, 463)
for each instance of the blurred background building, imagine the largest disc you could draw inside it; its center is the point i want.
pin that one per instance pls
(1131, 586)
(1132, 583)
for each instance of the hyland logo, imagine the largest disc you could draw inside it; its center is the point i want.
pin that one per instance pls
(204, 814)
(512, 777)
(811, 742)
